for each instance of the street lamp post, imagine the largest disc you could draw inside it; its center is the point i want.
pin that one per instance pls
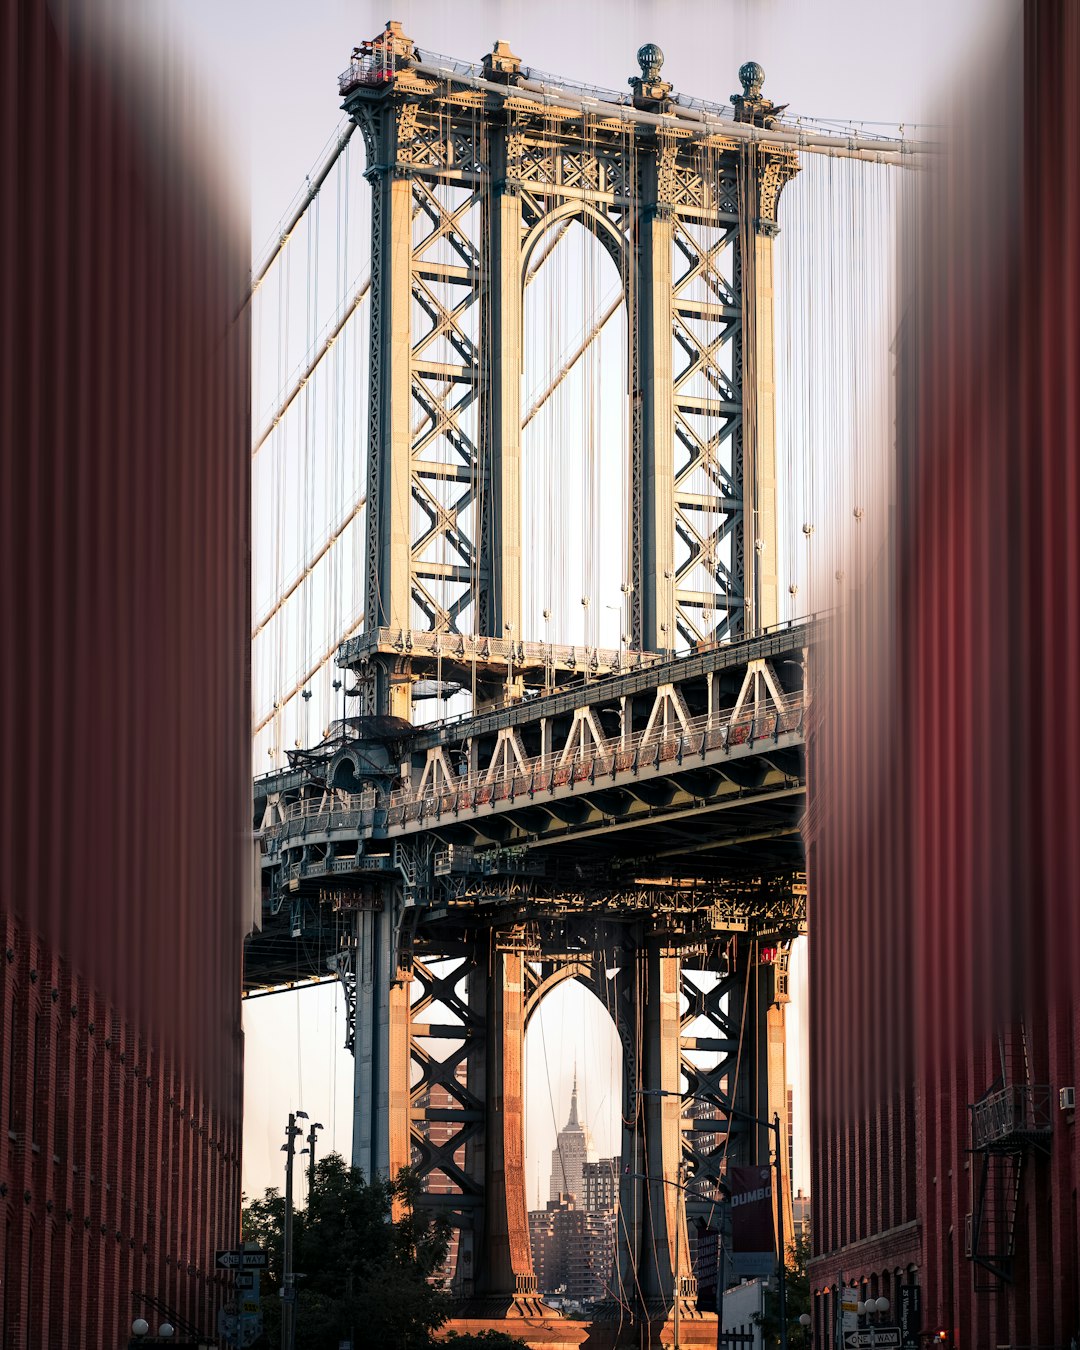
(679, 1218)
(288, 1279)
(805, 1321)
(780, 1248)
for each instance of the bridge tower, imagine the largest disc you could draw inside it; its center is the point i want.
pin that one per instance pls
(470, 166)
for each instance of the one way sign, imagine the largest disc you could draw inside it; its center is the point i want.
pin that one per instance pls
(257, 1260)
(883, 1338)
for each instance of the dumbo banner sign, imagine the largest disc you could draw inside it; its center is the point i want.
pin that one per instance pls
(753, 1243)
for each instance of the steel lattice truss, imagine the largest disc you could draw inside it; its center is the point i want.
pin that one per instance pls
(710, 1064)
(446, 1045)
(666, 206)
(707, 384)
(446, 182)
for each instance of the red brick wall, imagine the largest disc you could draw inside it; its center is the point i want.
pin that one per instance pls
(124, 710)
(971, 842)
(861, 961)
(99, 1199)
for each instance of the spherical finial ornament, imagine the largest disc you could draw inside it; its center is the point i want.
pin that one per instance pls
(751, 77)
(650, 59)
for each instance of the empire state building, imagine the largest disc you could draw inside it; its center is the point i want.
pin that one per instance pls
(569, 1154)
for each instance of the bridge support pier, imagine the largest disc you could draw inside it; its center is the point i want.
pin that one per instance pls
(381, 1052)
(762, 1080)
(504, 1282)
(440, 1039)
(486, 982)
(652, 1218)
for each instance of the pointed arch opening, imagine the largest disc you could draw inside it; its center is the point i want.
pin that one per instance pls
(573, 1135)
(576, 431)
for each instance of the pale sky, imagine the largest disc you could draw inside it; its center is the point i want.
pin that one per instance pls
(271, 68)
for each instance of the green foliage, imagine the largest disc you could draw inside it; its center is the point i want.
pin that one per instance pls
(483, 1340)
(796, 1298)
(361, 1274)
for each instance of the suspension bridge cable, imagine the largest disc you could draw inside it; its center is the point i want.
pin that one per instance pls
(547, 250)
(305, 201)
(312, 671)
(302, 576)
(881, 151)
(309, 370)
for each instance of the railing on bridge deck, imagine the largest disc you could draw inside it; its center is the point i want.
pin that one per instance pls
(506, 651)
(544, 773)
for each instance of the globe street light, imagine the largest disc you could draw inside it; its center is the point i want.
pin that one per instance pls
(804, 1321)
(141, 1327)
(872, 1308)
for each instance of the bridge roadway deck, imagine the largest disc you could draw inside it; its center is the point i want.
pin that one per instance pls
(786, 640)
(683, 783)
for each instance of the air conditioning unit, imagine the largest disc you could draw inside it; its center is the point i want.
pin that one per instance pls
(1067, 1099)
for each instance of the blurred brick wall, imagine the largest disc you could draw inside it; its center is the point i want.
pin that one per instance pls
(965, 860)
(124, 756)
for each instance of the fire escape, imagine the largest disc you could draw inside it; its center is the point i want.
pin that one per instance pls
(1008, 1124)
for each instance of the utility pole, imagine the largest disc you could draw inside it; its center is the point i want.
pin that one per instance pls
(311, 1137)
(288, 1278)
(781, 1253)
(678, 1248)
(721, 1280)
(683, 1189)
(781, 1248)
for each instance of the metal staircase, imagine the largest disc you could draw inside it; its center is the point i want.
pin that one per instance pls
(1008, 1123)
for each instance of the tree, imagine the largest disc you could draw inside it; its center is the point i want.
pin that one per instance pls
(482, 1340)
(361, 1272)
(796, 1297)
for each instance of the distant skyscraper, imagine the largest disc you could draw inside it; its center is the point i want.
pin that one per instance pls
(569, 1153)
(600, 1185)
(573, 1250)
(573, 1239)
(800, 1212)
(790, 1134)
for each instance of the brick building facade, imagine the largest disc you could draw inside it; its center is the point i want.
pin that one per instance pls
(942, 839)
(600, 1184)
(573, 1250)
(124, 702)
(119, 1177)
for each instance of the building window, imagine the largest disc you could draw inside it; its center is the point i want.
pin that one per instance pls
(31, 1301)
(5, 1293)
(39, 1070)
(13, 1062)
(61, 1090)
